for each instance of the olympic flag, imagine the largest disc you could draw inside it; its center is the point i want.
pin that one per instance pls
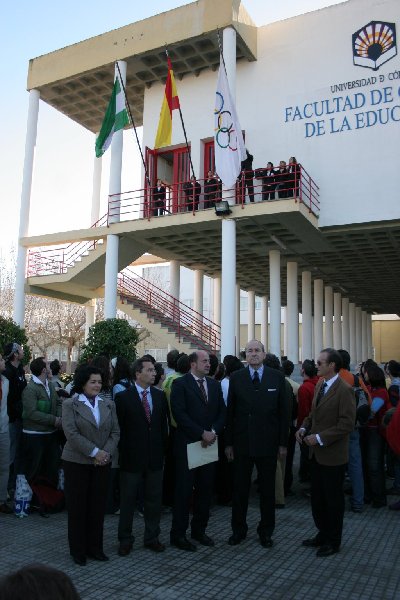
(228, 139)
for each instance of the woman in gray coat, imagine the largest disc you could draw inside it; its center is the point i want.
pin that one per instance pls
(91, 427)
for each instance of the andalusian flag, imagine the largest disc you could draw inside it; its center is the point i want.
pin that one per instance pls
(115, 119)
(170, 102)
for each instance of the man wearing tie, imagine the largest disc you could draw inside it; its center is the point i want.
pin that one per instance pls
(198, 408)
(142, 413)
(256, 434)
(326, 431)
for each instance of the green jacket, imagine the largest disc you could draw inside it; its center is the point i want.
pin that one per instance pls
(39, 411)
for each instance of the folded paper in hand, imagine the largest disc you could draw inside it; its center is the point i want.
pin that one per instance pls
(198, 456)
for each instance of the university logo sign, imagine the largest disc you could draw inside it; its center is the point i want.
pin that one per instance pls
(374, 44)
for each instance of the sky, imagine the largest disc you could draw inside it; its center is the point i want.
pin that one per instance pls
(62, 182)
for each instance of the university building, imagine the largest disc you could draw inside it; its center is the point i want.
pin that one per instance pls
(321, 259)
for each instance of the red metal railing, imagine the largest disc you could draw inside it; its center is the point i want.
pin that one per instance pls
(180, 198)
(186, 323)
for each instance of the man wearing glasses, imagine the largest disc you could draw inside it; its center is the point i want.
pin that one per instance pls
(326, 431)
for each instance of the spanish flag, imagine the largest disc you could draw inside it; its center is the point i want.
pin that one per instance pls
(170, 102)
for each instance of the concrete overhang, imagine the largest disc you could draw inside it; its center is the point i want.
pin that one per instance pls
(77, 80)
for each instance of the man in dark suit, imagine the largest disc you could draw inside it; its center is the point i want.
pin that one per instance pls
(142, 412)
(192, 191)
(198, 408)
(256, 434)
(326, 431)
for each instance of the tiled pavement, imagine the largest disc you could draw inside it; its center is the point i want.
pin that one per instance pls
(368, 565)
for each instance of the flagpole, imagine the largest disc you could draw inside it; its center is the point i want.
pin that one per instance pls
(133, 124)
(184, 129)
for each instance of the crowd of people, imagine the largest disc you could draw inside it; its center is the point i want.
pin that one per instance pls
(276, 182)
(120, 434)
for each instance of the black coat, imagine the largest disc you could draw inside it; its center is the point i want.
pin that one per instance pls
(159, 197)
(257, 419)
(192, 414)
(142, 445)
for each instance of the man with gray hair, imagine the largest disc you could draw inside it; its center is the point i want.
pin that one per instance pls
(256, 434)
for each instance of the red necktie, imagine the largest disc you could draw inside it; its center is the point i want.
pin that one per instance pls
(146, 405)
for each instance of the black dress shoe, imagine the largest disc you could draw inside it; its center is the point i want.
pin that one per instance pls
(327, 550)
(313, 542)
(79, 559)
(235, 539)
(155, 546)
(183, 544)
(125, 549)
(266, 541)
(203, 539)
(98, 555)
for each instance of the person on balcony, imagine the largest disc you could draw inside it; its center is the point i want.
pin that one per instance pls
(159, 199)
(282, 177)
(192, 191)
(267, 177)
(247, 175)
(210, 190)
(294, 170)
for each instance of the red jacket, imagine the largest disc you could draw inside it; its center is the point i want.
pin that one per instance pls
(305, 397)
(377, 419)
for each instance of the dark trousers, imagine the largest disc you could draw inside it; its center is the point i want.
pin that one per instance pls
(291, 447)
(224, 474)
(248, 183)
(199, 482)
(129, 487)
(86, 489)
(242, 470)
(327, 501)
(41, 456)
(169, 470)
(373, 457)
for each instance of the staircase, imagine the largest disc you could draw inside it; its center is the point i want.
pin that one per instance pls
(165, 316)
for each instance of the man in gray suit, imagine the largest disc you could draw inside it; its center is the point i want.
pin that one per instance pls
(326, 431)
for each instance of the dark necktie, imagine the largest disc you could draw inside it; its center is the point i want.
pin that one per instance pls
(92, 401)
(202, 390)
(146, 405)
(256, 379)
(321, 392)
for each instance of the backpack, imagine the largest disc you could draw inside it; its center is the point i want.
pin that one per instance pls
(363, 410)
(46, 497)
(394, 394)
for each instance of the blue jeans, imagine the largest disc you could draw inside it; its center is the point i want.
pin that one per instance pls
(355, 470)
(15, 432)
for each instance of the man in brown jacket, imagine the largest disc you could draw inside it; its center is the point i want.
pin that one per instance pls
(326, 431)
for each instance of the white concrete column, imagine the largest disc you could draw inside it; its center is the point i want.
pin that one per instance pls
(175, 278)
(369, 336)
(90, 314)
(117, 145)
(352, 332)
(30, 144)
(292, 312)
(198, 291)
(111, 276)
(237, 321)
(364, 336)
(358, 334)
(337, 324)
(345, 325)
(217, 300)
(229, 50)
(318, 315)
(328, 337)
(306, 314)
(275, 301)
(264, 321)
(251, 318)
(96, 188)
(228, 282)
(285, 329)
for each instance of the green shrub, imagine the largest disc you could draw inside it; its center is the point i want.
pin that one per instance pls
(11, 332)
(113, 337)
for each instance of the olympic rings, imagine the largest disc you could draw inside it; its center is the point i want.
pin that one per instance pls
(228, 131)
